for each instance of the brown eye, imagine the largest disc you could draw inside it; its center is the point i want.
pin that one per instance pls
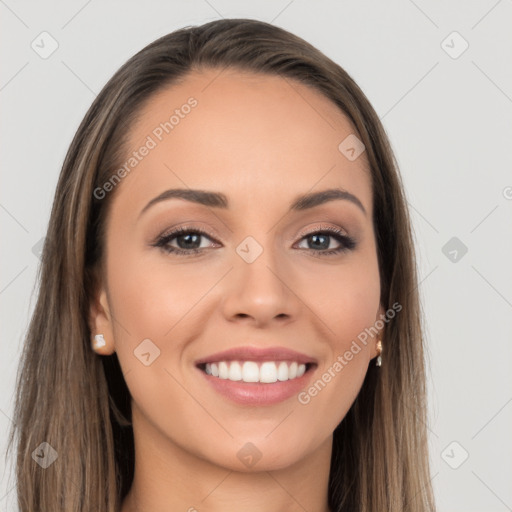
(183, 241)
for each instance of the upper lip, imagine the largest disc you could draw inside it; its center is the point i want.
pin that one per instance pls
(257, 354)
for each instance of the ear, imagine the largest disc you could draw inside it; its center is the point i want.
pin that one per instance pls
(100, 322)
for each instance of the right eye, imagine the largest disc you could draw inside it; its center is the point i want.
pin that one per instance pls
(182, 241)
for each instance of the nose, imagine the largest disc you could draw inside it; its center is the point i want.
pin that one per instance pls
(260, 292)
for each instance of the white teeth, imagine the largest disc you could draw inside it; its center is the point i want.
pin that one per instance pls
(250, 371)
(268, 372)
(282, 371)
(223, 370)
(235, 371)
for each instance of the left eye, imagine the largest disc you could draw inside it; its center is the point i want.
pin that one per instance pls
(320, 241)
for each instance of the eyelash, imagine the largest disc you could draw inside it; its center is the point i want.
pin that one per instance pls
(347, 243)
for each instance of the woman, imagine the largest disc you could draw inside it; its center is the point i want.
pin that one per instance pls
(228, 312)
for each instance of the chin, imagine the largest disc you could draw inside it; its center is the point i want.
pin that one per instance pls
(254, 454)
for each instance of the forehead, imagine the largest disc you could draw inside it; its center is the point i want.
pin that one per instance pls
(250, 135)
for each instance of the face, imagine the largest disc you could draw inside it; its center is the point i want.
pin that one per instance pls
(282, 285)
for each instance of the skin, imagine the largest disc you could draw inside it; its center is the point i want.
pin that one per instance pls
(262, 141)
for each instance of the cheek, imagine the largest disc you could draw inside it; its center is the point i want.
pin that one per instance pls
(152, 295)
(347, 301)
(353, 308)
(161, 301)
(346, 297)
(156, 300)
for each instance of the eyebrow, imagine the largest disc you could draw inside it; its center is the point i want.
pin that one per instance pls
(219, 200)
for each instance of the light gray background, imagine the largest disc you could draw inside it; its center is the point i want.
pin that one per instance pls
(450, 123)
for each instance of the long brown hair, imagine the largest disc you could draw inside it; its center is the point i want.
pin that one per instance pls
(78, 402)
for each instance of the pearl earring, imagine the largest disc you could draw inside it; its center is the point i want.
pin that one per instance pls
(99, 342)
(378, 362)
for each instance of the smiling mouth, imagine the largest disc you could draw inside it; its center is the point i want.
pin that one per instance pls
(263, 372)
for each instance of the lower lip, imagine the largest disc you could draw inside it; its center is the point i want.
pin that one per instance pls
(257, 393)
